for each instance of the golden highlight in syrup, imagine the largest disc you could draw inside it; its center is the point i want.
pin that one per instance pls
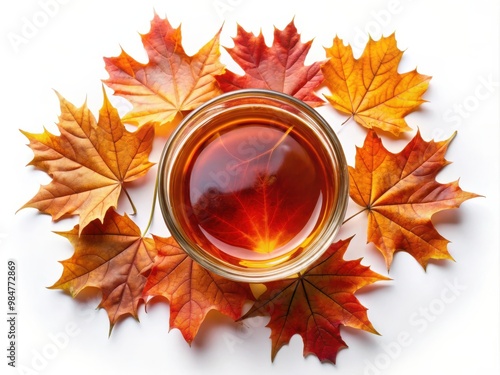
(249, 186)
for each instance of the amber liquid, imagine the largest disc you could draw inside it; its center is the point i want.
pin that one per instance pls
(255, 191)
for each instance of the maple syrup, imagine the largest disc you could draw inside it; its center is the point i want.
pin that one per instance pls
(248, 186)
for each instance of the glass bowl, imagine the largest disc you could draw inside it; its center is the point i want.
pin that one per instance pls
(253, 185)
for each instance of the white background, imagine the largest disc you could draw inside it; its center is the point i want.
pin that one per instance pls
(455, 42)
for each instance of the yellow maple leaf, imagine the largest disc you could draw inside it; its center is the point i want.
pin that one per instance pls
(370, 88)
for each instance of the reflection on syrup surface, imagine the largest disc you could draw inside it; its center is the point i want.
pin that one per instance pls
(256, 193)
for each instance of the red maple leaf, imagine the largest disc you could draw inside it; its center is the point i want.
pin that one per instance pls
(192, 290)
(316, 303)
(279, 67)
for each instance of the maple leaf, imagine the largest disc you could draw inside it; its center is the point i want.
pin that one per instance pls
(400, 193)
(279, 67)
(316, 303)
(370, 88)
(171, 82)
(192, 290)
(89, 162)
(111, 256)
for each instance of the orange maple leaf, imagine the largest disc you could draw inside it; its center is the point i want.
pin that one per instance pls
(400, 193)
(89, 162)
(111, 256)
(171, 82)
(316, 303)
(370, 88)
(279, 67)
(192, 290)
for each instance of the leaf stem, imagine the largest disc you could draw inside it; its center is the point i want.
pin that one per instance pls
(353, 216)
(134, 209)
(153, 206)
(346, 121)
